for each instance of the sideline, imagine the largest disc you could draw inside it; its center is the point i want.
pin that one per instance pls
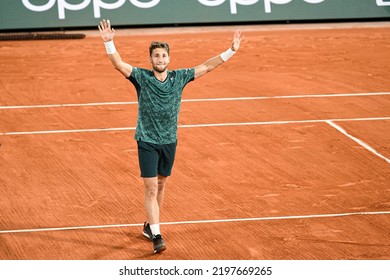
(357, 140)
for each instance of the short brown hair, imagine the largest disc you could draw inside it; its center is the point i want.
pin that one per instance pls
(158, 44)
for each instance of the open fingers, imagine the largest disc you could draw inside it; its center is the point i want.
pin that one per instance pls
(104, 25)
(238, 35)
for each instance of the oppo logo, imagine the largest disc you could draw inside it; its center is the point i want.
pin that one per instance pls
(267, 3)
(97, 5)
(62, 5)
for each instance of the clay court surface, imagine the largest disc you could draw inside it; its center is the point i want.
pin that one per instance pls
(283, 152)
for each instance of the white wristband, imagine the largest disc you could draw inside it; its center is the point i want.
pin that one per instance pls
(227, 54)
(110, 47)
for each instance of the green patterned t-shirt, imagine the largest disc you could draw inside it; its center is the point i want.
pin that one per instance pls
(159, 104)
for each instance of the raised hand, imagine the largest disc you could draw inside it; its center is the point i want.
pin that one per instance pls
(106, 31)
(237, 38)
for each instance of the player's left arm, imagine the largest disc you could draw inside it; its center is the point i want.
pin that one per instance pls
(216, 61)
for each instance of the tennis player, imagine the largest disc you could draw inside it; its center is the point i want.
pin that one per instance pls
(159, 92)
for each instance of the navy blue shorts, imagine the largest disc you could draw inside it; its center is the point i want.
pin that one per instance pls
(156, 159)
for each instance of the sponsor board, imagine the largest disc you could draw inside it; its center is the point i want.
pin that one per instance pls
(26, 14)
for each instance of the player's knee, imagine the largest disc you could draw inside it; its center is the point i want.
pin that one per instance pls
(161, 183)
(151, 188)
(151, 191)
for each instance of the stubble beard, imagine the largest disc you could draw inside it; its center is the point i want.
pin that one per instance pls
(160, 70)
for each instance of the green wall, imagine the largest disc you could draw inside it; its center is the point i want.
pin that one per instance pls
(32, 14)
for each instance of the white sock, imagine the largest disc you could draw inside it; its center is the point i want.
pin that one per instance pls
(155, 229)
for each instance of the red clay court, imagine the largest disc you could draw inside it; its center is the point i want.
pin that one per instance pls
(284, 151)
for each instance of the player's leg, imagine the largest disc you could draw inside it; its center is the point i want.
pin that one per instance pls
(150, 200)
(150, 197)
(166, 158)
(148, 157)
(153, 213)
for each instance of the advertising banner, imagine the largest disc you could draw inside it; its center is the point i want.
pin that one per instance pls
(33, 14)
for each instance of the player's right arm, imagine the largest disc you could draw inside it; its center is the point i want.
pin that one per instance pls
(107, 33)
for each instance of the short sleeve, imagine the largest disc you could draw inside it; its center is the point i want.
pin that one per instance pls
(186, 75)
(134, 74)
(135, 77)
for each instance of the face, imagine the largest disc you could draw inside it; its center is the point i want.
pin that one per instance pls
(159, 60)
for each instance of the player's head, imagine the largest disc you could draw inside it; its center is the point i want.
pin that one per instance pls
(159, 55)
(158, 45)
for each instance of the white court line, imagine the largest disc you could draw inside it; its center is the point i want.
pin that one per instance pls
(314, 216)
(67, 105)
(357, 140)
(198, 100)
(190, 126)
(68, 131)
